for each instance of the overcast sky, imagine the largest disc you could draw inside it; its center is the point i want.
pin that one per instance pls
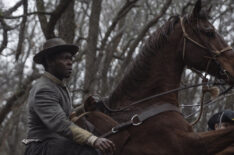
(8, 3)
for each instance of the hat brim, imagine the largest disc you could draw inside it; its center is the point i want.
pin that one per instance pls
(39, 57)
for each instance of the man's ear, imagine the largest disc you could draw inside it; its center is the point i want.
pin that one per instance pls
(216, 126)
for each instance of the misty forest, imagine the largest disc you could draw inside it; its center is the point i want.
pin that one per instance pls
(109, 33)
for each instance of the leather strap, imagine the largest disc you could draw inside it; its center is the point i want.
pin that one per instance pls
(186, 36)
(138, 119)
(155, 110)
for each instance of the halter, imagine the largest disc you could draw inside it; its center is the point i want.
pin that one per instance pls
(186, 36)
(214, 51)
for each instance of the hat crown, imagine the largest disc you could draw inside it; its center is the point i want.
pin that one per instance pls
(54, 42)
(52, 46)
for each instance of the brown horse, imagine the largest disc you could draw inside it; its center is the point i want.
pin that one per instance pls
(189, 41)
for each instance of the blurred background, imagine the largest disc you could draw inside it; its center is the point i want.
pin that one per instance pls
(110, 34)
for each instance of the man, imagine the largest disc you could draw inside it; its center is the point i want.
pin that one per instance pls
(221, 120)
(50, 130)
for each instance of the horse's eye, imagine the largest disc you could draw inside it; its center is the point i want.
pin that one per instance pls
(210, 32)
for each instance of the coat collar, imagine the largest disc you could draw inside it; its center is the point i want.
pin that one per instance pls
(54, 79)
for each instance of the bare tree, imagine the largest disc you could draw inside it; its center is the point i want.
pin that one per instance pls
(109, 34)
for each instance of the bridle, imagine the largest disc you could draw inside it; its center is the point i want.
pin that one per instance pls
(187, 37)
(215, 54)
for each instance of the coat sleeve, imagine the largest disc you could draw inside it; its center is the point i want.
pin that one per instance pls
(47, 107)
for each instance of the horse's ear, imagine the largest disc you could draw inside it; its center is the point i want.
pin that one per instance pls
(208, 12)
(197, 9)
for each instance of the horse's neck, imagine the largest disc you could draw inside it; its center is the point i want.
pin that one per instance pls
(163, 74)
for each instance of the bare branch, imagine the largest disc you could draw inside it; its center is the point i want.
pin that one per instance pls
(67, 20)
(42, 17)
(18, 94)
(22, 29)
(5, 28)
(122, 12)
(14, 8)
(144, 31)
(228, 9)
(5, 40)
(91, 66)
(48, 27)
(55, 17)
(28, 14)
(185, 7)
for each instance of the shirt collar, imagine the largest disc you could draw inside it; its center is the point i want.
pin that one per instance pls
(54, 79)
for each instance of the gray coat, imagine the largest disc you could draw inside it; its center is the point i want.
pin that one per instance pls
(49, 108)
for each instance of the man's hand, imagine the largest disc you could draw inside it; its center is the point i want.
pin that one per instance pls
(105, 145)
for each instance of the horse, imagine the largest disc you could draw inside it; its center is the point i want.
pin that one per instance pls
(190, 41)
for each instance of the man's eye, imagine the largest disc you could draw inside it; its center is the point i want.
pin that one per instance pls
(68, 58)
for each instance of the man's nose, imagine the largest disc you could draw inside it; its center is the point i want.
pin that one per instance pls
(69, 62)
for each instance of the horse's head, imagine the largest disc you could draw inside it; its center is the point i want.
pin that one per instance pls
(203, 48)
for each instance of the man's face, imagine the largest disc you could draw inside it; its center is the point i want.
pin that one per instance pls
(223, 125)
(61, 66)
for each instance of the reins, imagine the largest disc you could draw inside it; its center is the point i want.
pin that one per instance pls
(138, 119)
(158, 95)
(206, 104)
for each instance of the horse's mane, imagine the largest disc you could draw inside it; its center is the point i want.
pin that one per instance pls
(139, 68)
(160, 37)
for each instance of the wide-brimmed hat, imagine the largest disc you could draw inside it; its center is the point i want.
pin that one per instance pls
(221, 117)
(53, 46)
